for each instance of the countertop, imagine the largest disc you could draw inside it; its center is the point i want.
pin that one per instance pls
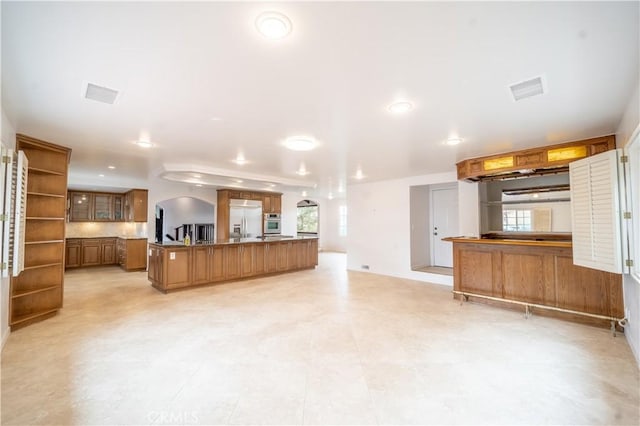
(509, 242)
(252, 240)
(124, 237)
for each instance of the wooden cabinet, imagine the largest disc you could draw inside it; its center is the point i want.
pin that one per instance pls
(73, 258)
(155, 266)
(547, 159)
(132, 253)
(247, 260)
(37, 292)
(227, 262)
(271, 203)
(108, 207)
(108, 249)
(91, 252)
(135, 205)
(80, 209)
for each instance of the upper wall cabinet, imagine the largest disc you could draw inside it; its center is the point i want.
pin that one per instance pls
(531, 162)
(108, 207)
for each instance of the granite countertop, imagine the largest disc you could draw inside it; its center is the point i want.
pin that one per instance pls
(124, 237)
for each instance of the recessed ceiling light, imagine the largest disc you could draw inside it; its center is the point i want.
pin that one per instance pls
(111, 167)
(330, 196)
(273, 25)
(453, 141)
(359, 174)
(101, 175)
(400, 107)
(240, 160)
(199, 185)
(196, 175)
(300, 143)
(216, 118)
(302, 171)
(144, 144)
(304, 193)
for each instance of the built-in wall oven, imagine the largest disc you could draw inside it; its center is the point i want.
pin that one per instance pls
(272, 224)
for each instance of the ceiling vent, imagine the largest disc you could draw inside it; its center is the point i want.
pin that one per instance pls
(101, 94)
(527, 89)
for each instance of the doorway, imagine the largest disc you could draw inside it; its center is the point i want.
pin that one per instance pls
(444, 223)
(433, 206)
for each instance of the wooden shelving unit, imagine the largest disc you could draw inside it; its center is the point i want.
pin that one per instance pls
(36, 293)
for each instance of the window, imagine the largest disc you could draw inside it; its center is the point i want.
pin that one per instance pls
(307, 217)
(342, 221)
(516, 220)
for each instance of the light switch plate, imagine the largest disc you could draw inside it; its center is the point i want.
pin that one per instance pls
(172, 255)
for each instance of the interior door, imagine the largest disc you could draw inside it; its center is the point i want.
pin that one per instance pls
(444, 214)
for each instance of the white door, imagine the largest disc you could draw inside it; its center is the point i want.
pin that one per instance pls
(444, 222)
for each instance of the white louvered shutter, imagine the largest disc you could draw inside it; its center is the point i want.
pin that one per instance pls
(19, 213)
(595, 206)
(5, 175)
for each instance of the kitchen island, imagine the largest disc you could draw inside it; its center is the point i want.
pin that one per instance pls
(174, 266)
(536, 275)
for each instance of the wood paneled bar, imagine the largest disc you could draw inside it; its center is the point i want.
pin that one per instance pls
(537, 275)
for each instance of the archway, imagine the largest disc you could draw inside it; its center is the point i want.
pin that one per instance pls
(179, 216)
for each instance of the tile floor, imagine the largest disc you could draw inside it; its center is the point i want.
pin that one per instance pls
(324, 346)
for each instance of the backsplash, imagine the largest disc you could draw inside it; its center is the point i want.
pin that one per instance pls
(105, 229)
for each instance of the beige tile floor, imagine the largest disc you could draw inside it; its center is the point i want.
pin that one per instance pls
(315, 347)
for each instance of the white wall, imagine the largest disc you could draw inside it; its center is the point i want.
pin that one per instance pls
(379, 226)
(9, 140)
(631, 287)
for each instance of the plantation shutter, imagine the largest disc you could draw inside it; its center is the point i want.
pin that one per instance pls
(595, 206)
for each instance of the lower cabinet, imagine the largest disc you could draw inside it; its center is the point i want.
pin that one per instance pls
(173, 267)
(73, 255)
(128, 253)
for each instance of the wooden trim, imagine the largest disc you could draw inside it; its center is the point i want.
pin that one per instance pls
(534, 161)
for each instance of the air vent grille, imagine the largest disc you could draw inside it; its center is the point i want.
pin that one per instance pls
(527, 89)
(101, 94)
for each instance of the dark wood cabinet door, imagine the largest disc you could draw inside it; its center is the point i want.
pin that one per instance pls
(109, 253)
(259, 259)
(91, 252)
(283, 256)
(216, 263)
(200, 269)
(73, 257)
(80, 207)
(103, 207)
(246, 260)
(232, 262)
(271, 257)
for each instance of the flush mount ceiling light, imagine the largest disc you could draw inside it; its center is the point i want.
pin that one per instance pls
(111, 167)
(400, 107)
(300, 143)
(273, 25)
(453, 141)
(302, 171)
(240, 160)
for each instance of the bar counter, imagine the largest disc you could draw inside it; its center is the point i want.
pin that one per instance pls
(535, 274)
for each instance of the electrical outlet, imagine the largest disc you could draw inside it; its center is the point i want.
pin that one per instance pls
(365, 267)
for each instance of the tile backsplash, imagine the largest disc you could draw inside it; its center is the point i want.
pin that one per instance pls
(105, 229)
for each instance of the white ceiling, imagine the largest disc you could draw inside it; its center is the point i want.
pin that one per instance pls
(178, 65)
